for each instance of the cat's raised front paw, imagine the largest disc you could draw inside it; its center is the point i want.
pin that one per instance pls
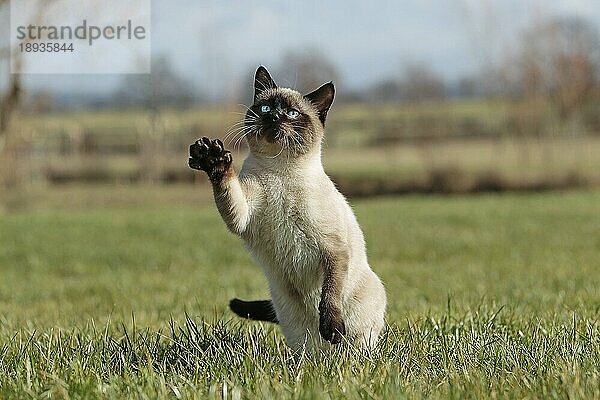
(210, 156)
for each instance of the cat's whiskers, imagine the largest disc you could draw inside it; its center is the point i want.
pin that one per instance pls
(289, 148)
(239, 127)
(239, 135)
(249, 110)
(248, 114)
(296, 137)
(233, 133)
(278, 154)
(235, 128)
(246, 133)
(298, 147)
(244, 122)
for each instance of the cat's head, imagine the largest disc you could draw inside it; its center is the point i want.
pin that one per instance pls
(282, 121)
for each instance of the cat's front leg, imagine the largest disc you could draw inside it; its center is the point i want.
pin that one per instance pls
(335, 269)
(331, 322)
(230, 195)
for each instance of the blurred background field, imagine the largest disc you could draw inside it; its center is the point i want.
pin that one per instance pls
(498, 104)
(458, 147)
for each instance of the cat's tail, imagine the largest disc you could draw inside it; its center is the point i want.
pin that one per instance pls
(260, 310)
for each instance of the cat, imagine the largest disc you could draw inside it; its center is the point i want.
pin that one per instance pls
(295, 223)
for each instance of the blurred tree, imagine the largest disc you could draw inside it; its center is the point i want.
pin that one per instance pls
(162, 87)
(306, 69)
(389, 89)
(417, 83)
(467, 87)
(560, 60)
(10, 140)
(9, 102)
(12, 95)
(39, 101)
(420, 83)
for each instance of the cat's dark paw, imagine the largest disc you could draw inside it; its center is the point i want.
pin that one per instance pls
(331, 323)
(210, 156)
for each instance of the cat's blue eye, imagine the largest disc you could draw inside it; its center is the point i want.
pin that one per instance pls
(293, 113)
(265, 109)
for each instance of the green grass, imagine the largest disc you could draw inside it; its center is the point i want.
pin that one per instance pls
(489, 296)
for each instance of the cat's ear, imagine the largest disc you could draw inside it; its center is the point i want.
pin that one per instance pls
(321, 99)
(262, 81)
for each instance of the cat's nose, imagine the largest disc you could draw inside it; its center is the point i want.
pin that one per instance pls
(275, 116)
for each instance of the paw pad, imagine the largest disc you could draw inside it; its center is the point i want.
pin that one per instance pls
(210, 156)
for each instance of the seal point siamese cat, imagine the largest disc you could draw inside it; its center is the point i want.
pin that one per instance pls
(296, 224)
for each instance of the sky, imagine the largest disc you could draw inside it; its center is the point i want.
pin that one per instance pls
(214, 44)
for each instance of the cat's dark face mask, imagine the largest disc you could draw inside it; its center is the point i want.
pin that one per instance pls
(282, 119)
(279, 116)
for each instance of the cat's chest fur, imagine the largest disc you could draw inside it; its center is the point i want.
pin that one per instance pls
(284, 233)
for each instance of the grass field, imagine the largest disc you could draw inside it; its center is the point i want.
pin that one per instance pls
(489, 296)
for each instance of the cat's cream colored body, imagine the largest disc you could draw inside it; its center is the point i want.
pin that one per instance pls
(286, 210)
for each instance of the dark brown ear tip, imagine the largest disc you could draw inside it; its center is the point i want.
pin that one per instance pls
(263, 81)
(262, 70)
(331, 86)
